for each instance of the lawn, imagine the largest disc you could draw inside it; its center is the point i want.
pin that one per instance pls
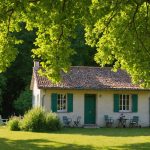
(76, 139)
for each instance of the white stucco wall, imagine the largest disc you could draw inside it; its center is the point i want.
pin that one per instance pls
(36, 95)
(104, 104)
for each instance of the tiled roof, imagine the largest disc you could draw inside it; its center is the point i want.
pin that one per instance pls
(82, 77)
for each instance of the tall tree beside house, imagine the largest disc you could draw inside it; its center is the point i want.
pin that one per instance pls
(16, 98)
(2, 88)
(119, 30)
(84, 54)
(18, 75)
(24, 102)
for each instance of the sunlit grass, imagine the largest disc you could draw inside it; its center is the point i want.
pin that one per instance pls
(74, 139)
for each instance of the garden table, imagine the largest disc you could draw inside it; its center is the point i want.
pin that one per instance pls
(122, 122)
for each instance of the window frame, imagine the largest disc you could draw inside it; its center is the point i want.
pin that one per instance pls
(123, 98)
(61, 99)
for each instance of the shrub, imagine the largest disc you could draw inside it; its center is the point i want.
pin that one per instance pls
(14, 123)
(52, 122)
(23, 102)
(34, 120)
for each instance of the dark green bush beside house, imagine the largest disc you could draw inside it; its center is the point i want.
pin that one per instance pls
(36, 119)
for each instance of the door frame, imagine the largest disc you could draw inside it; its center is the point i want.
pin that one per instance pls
(94, 95)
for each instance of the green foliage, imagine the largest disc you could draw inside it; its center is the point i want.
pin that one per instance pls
(23, 102)
(52, 122)
(37, 119)
(14, 123)
(84, 54)
(22, 66)
(118, 29)
(124, 32)
(18, 75)
(8, 51)
(33, 120)
(2, 88)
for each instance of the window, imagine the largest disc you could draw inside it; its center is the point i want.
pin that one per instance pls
(61, 102)
(124, 103)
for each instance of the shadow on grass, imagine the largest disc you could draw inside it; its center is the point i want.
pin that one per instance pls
(113, 132)
(138, 146)
(40, 144)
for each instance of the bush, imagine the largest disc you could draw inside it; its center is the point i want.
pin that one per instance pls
(52, 122)
(14, 123)
(34, 120)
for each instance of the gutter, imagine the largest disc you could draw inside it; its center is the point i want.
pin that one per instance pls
(104, 89)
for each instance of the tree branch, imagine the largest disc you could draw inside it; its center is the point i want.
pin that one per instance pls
(134, 15)
(62, 28)
(63, 5)
(114, 13)
(139, 39)
(61, 34)
(9, 20)
(147, 14)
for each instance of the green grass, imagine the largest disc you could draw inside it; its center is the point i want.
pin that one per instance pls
(76, 139)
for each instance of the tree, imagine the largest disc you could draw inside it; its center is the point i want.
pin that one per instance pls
(119, 30)
(23, 102)
(124, 30)
(2, 88)
(84, 54)
(18, 75)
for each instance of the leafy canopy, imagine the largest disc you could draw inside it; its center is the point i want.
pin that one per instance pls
(119, 29)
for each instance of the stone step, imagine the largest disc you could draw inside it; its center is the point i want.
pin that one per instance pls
(91, 126)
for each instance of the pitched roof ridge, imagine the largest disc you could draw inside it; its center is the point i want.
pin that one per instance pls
(89, 67)
(99, 67)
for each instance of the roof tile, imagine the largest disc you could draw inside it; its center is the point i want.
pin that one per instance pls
(82, 77)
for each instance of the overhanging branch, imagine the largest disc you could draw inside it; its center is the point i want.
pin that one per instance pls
(139, 39)
(62, 27)
(9, 20)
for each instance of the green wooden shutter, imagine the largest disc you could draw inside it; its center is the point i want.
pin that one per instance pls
(116, 102)
(134, 103)
(70, 102)
(54, 102)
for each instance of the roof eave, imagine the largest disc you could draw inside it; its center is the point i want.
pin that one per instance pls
(73, 88)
